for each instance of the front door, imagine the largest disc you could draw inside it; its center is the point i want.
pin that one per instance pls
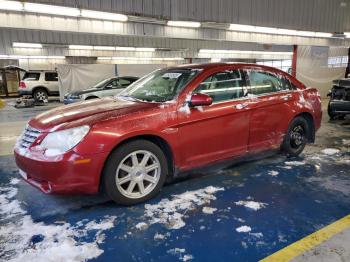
(218, 131)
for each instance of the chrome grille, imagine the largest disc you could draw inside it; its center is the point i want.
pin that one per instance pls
(28, 137)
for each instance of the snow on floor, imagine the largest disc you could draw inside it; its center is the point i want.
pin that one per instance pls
(243, 229)
(294, 163)
(171, 212)
(273, 173)
(251, 204)
(209, 210)
(23, 239)
(180, 253)
(330, 151)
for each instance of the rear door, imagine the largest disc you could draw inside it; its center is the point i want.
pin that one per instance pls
(51, 81)
(218, 131)
(272, 100)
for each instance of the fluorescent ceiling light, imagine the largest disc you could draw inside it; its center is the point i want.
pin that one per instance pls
(184, 24)
(81, 47)
(11, 5)
(277, 31)
(51, 9)
(140, 58)
(125, 48)
(27, 45)
(145, 49)
(347, 34)
(104, 48)
(30, 57)
(217, 51)
(103, 15)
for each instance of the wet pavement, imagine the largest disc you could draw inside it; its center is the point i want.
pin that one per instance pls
(242, 213)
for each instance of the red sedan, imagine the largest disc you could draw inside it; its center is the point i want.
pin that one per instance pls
(167, 122)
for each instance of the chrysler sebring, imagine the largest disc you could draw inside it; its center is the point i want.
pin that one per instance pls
(167, 122)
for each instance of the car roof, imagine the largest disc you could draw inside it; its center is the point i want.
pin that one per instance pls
(129, 77)
(218, 65)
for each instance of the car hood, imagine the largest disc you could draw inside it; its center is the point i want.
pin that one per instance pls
(87, 112)
(85, 91)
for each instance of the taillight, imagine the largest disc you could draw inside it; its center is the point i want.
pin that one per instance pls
(22, 84)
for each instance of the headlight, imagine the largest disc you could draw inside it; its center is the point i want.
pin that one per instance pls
(75, 96)
(57, 143)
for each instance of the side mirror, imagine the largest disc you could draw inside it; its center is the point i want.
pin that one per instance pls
(329, 93)
(108, 86)
(200, 100)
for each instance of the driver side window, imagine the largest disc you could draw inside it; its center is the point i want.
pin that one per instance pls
(114, 84)
(222, 86)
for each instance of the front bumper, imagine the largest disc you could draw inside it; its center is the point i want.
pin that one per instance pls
(70, 173)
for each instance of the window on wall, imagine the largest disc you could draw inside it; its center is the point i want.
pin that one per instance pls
(222, 86)
(284, 65)
(337, 61)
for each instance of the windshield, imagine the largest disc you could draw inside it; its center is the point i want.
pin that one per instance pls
(102, 83)
(161, 85)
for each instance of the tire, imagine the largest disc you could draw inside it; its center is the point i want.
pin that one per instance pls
(123, 179)
(91, 97)
(331, 114)
(40, 95)
(296, 137)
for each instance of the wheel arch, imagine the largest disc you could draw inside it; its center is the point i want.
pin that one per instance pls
(159, 141)
(91, 97)
(40, 87)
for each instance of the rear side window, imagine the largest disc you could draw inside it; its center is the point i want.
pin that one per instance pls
(31, 76)
(222, 86)
(51, 76)
(263, 82)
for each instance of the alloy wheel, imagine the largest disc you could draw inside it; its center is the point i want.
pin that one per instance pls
(138, 174)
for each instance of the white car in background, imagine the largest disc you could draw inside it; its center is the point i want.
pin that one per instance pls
(39, 84)
(107, 87)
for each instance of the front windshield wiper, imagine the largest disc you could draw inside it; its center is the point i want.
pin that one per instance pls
(128, 97)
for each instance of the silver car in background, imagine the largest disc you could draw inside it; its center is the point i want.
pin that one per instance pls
(107, 87)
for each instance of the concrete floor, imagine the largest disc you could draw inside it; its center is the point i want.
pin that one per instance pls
(242, 213)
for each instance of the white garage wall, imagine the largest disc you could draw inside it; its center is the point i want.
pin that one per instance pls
(313, 70)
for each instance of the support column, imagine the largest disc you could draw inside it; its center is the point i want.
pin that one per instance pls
(294, 60)
(347, 70)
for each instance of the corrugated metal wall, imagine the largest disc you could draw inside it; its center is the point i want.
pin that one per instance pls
(316, 15)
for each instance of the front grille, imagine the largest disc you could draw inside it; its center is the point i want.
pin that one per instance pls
(28, 137)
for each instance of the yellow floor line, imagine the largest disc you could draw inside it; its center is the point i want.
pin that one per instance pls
(310, 241)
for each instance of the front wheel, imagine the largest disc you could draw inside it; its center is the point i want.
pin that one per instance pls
(135, 172)
(296, 138)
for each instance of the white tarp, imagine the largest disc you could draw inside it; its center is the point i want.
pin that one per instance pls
(74, 77)
(313, 70)
(137, 69)
(77, 77)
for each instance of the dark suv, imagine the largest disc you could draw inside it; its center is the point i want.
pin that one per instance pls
(339, 102)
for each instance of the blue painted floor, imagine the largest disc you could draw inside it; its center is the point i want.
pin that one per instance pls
(272, 202)
(297, 202)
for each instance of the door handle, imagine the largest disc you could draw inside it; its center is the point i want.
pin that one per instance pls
(286, 97)
(241, 105)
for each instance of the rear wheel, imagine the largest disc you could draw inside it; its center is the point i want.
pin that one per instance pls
(40, 95)
(331, 114)
(296, 138)
(135, 172)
